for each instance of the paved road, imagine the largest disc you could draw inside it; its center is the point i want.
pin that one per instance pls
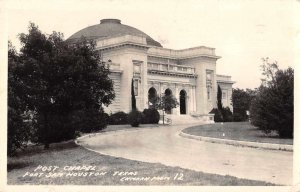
(164, 145)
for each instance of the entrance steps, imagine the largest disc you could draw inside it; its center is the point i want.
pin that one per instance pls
(185, 119)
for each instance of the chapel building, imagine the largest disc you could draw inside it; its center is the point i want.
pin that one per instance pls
(188, 74)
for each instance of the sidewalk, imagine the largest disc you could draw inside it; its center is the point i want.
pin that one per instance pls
(270, 146)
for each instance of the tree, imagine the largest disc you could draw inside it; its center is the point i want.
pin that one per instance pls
(273, 107)
(219, 98)
(241, 100)
(19, 130)
(166, 102)
(133, 100)
(221, 114)
(60, 79)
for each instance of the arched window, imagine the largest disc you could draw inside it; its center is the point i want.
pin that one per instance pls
(152, 97)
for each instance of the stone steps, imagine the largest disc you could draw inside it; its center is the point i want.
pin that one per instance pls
(182, 119)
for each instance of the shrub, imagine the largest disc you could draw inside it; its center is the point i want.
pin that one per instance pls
(227, 114)
(89, 120)
(18, 132)
(54, 127)
(273, 107)
(119, 118)
(135, 117)
(218, 115)
(151, 116)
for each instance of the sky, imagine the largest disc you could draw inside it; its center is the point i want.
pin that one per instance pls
(242, 32)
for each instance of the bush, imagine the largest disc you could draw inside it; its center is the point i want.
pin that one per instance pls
(227, 114)
(89, 120)
(273, 107)
(135, 117)
(218, 115)
(119, 118)
(54, 127)
(223, 115)
(151, 116)
(18, 131)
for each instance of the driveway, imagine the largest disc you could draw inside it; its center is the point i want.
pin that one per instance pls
(164, 145)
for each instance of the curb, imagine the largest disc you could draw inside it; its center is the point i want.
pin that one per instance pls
(270, 146)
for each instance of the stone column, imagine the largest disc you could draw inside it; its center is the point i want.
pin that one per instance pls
(177, 109)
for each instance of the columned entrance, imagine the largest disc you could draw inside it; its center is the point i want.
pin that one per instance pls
(182, 98)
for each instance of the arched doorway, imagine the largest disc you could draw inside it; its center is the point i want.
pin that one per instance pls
(168, 92)
(152, 97)
(182, 98)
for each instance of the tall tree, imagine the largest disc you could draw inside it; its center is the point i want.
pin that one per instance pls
(60, 81)
(19, 130)
(273, 107)
(133, 100)
(241, 100)
(219, 98)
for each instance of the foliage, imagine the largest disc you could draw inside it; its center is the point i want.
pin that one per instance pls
(218, 115)
(60, 79)
(241, 100)
(119, 118)
(221, 114)
(151, 116)
(154, 102)
(89, 120)
(19, 122)
(167, 102)
(135, 118)
(227, 114)
(133, 100)
(219, 98)
(273, 107)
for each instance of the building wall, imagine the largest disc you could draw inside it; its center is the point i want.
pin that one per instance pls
(202, 66)
(177, 70)
(125, 56)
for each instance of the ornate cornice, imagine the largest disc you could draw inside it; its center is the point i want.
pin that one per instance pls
(168, 73)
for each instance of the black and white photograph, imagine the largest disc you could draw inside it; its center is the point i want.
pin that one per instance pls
(126, 95)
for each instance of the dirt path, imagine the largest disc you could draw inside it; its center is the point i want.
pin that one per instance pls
(164, 145)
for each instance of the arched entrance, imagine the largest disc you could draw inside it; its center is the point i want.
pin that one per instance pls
(182, 99)
(152, 97)
(168, 92)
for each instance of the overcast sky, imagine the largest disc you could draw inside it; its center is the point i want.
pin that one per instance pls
(241, 31)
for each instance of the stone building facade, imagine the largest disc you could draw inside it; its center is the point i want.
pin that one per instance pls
(188, 74)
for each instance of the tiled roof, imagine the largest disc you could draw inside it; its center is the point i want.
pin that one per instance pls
(111, 27)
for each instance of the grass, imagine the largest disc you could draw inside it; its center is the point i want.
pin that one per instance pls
(69, 154)
(242, 131)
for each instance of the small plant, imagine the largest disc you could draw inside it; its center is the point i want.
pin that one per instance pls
(151, 116)
(135, 118)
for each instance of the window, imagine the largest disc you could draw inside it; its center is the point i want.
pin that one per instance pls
(136, 87)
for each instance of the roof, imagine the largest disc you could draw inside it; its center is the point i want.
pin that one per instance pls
(109, 28)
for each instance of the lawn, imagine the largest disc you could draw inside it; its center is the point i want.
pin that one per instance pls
(110, 170)
(243, 131)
